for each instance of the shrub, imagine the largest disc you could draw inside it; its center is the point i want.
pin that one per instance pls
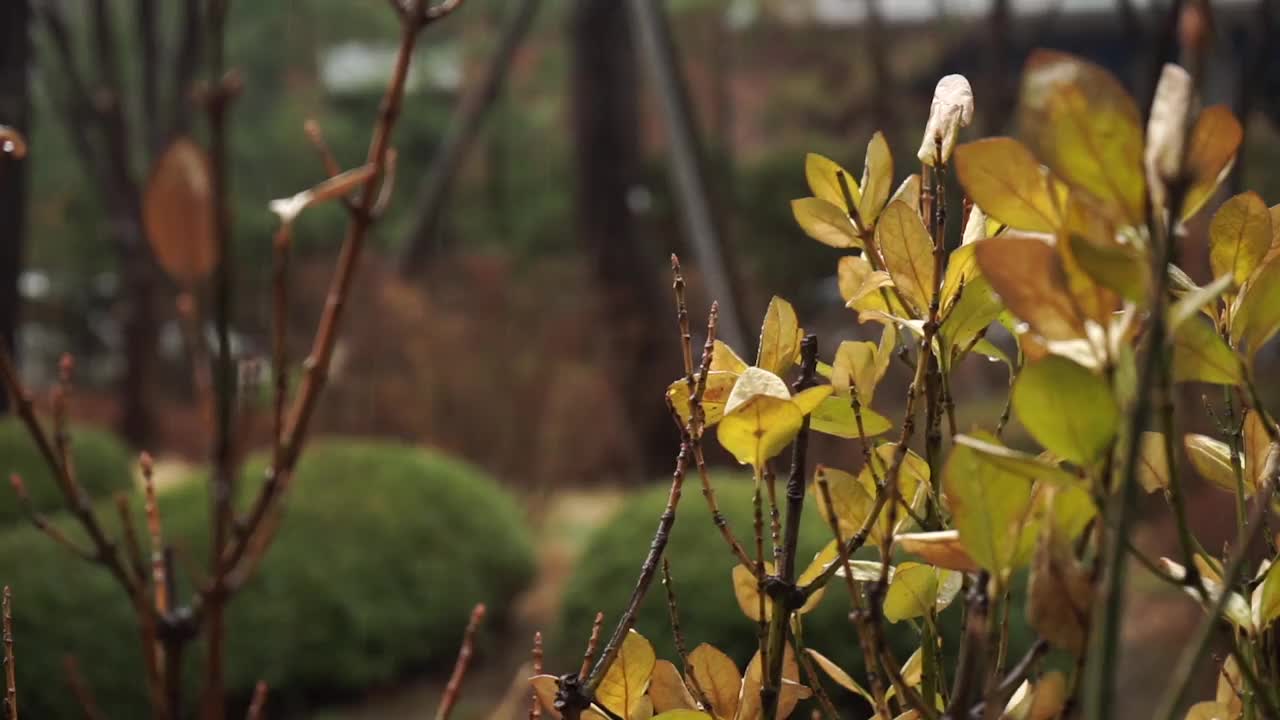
(383, 552)
(103, 465)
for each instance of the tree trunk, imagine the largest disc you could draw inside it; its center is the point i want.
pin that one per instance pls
(638, 318)
(15, 109)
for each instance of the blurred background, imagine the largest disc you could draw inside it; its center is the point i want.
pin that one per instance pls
(513, 328)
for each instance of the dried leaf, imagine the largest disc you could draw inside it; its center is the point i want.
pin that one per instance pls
(941, 549)
(907, 249)
(178, 213)
(1003, 177)
(951, 109)
(1211, 152)
(288, 209)
(621, 691)
(1167, 130)
(1059, 594)
(1028, 276)
(719, 679)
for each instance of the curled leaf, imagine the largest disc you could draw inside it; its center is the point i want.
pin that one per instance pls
(288, 209)
(942, 549)
(1167, 129)
(951, 109)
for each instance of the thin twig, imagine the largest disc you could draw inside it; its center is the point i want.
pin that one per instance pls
(80, 689)
(259, 701)
(41, 523)
(682, 649)
(535, 705)
(593, 644)
(133, 549)
(454, 686)
(10, 668)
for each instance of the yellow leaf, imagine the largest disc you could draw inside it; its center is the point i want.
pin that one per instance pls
(1256, 447)
(1255, 317)
(178, 213)
(718, 678)
(1153, 462)
(1239, 236)
(747, 591)
(1265, 603)
(791, 693)
(1211, 151)
(877, 178)
(719, 385)
(1212, 459)
(1210, 711)
(907, 249)
(1005, 179)
(545, 688)
(909, 192)
(821, 174)
(1201, 355)
(1079, 120)
(681, 714)
(779, 337)
(1231, 686)
(835, 672)
(724, 358)
(667, 689)
(1050, 696)
(941, 549)
(621, 691)
(821, 560)
(855, 366)
(826, 223)
(855, 278)
(835, 416)
(1028, 275)
(853, 498)
(810, 398)
(912, 593)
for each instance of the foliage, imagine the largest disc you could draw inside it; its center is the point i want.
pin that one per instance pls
(1070, 244)
(362, 584)
(102, 463)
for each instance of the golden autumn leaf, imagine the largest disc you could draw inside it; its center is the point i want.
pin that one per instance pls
(1028, 275)
(1239, 236)
(667, 689)
(622, 689)
(822, 174)
(942, 548)
(825, 222)
(1212, 459)
(1211, 152)
(780, 336)
(1153, 462)
(1255, 315)
(836, 673)
(178, 213)
(1006, 180)
(747, 591)
(718, 678)
(719, 385)
(877, 179)
(907, 249)
(791, 694)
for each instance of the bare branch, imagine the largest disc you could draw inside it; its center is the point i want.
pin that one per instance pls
(454, 686)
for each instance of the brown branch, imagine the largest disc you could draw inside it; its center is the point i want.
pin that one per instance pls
(41, 523)
(535, 705)
(10, 668)
(80, 689)
(673, 612)
(133, 549)
(454, 686)
(198, 353)
(593, 644)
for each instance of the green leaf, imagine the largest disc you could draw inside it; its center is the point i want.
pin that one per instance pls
(1201, 355)
(835, 416)
(779, 337)
(1004, 178)
(877, 179)
(1256, 317)
(821, 174)
(988, 508)
(825, 222)
(1120, 268)
(907, 249)
(976, 309)
(1079, 120)
(913, 592)
(1066, 408)
(1024, 465)
(1028, 275)
(1239, 236)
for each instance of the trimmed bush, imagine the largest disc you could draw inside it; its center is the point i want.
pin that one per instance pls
(103, 465)
(700, 567)
(383, 551)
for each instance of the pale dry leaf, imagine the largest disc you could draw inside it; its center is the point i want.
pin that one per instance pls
(951, 109)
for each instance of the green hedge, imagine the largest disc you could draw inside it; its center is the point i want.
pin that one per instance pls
(383, 552)
(700, 568)
(103, 465)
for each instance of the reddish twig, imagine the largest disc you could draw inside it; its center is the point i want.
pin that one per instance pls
(10, 669)
(42, 523)
(593, 643)
(454, 687)
(80, 689)
(259, 701)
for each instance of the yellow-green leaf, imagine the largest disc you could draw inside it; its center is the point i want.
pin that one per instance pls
(718, 678)
(877, 179)
(1079, 120)
(622, 688)
(1028, 276)
(1201, 355)
(853, 497)
(835, 416)
(913, 592)
(779, 337)
(1266, 599)
(909, 192)
(821, 174)
(988, 508)
(856, 278)
(1211, 151)
(667, 689)
(824, 222)
(1024, 465)
(760, 418)
(1256, 447)
(1008, 183)
(1066, 408)
(1256, 317)
(1212, 459)
(1199, 300)
(907, 250)
(1119, 268)
(1239, 236)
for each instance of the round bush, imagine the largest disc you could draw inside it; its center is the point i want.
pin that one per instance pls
(102, 463)
(383, 551)
(700, 567)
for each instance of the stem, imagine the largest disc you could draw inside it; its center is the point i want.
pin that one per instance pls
(454, 686)
(10, 669)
